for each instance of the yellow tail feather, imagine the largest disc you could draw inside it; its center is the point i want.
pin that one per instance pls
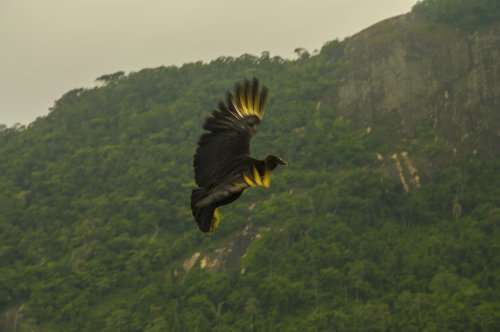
(215, 221)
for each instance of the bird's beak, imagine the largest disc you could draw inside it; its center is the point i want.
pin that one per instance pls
(284, 162)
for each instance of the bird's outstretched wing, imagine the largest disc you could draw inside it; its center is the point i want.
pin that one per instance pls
(230, 129)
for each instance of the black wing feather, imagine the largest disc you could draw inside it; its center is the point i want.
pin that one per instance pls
(230, 129)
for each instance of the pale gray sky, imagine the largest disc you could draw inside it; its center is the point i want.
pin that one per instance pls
(48, 47)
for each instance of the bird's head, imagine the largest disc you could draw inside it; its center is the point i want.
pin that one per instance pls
(272, 161)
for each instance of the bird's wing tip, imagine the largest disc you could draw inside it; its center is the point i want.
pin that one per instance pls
(249, 98)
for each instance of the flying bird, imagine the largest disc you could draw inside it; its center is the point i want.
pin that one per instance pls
(223, 167)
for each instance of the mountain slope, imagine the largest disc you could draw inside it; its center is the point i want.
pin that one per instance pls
(444, 77)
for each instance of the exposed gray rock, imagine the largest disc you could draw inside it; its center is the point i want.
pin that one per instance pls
(445, 76)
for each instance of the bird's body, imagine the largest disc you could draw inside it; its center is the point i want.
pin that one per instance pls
(223, 165)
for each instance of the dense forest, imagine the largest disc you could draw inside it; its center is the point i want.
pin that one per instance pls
(465, 14)
(361, 232)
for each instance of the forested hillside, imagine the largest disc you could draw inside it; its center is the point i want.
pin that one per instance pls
(386, 219)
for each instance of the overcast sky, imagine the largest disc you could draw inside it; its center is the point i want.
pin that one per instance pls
(48, 47)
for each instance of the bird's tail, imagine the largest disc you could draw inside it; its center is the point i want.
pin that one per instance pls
(207, 216)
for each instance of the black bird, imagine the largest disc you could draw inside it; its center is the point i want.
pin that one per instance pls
(222, 163)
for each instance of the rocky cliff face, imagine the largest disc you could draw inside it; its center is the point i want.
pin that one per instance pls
(421, 75)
